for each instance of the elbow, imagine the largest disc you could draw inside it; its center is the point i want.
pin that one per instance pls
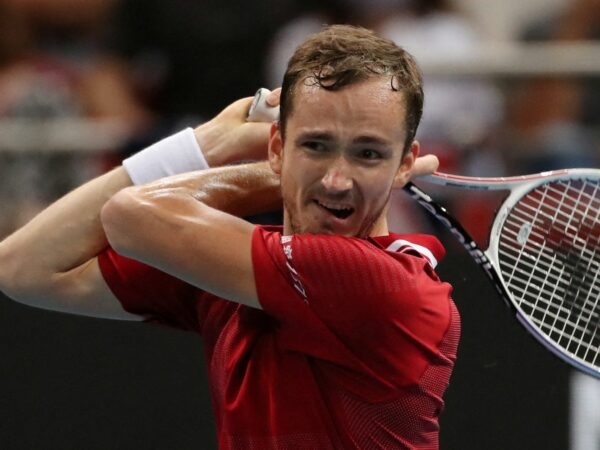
(137, 219)
(120, 217)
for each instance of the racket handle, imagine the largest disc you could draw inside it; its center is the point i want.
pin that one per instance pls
(260, 111)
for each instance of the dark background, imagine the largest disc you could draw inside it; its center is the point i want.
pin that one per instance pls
(68, 382)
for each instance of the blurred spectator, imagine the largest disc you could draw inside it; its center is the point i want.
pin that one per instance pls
(555, 120)
(461, 114)
(311, 18)
(62, 36)
(146, 65)
(45, 53)
(32, 84)
(186, 59)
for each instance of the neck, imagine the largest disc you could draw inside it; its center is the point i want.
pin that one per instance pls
(380, 228)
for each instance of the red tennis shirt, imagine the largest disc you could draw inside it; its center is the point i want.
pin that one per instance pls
(353, 349)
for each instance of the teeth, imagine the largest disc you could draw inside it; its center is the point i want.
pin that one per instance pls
(340, 211)
(334, 206)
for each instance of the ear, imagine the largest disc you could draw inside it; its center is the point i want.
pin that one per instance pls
(275, 148)
(406, 166)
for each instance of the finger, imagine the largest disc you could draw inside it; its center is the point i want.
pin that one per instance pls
(237, 110)
(273, 97)
(425, 165)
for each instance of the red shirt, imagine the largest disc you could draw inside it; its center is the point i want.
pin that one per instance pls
(354, 346)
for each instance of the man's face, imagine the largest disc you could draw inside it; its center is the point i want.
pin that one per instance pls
(341, 154)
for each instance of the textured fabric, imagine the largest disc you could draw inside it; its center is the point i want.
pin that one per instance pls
(173, 155)
(354, 347)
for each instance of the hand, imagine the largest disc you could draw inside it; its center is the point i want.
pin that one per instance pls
(228, 138)
(424, 165)
(273, 97)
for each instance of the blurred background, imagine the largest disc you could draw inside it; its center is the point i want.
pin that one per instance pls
(511, 87)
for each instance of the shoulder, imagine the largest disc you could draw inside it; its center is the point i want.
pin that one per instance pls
(327, 249)
(343, 251)
(337, 266)
(370, 287)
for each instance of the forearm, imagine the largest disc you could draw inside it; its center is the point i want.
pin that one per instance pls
(185, 226)
(63, 236)
(69, 232)
(240, 190)
(50, 252)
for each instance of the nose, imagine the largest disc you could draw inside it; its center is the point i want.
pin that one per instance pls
(338, 176)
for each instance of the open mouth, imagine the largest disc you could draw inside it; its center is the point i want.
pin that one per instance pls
(339, 211)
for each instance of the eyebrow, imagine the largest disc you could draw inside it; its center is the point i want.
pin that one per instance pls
(316, 135)
(372, 140)
(325, 136)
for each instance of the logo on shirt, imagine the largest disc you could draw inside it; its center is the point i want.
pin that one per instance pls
(286, 245)
(402, 246)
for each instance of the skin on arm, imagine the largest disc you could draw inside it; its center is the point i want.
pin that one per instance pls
(189, 229)
(51, 261)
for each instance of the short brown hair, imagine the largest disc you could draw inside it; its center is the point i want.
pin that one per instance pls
(341, 55)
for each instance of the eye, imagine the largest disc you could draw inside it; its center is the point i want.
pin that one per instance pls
(315, 146)
(370, 154)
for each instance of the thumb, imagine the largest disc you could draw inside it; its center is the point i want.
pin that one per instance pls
(273, 97)
(425, 165)
(237, 110)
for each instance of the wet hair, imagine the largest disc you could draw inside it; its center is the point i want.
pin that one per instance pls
(341, 55)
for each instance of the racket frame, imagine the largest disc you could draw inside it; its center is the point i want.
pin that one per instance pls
(488, 259)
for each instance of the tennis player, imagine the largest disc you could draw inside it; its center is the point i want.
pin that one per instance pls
(329, 332)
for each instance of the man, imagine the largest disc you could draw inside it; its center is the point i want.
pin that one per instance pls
(328, 332)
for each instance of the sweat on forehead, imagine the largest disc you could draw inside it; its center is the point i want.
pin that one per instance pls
(381, 91)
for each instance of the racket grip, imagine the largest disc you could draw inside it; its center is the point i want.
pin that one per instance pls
(260, 111)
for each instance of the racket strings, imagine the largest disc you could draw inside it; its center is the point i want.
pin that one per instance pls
(549, 257)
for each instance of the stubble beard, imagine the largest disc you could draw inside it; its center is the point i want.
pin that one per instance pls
(295, 225)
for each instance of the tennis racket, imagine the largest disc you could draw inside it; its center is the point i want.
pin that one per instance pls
(543, 253)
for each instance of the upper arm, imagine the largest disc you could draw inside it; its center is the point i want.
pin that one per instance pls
(84, 291)
(344, 300)
(185, 238)
(81, 290)
(342, 280)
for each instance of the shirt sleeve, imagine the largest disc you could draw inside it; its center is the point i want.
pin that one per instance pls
(148, 292)
(347, 301)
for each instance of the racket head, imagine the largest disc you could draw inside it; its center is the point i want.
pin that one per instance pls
(544, 244)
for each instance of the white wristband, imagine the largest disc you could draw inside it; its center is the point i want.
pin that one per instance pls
(178, 153)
